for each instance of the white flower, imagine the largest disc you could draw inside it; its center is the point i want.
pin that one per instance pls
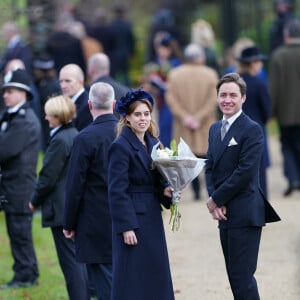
(165, 153)
(178, 170)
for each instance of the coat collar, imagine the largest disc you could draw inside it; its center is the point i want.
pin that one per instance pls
(105, 118)
(142, 153)
(63, 127)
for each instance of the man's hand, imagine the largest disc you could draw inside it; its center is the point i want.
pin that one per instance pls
(211, 204)
(191, 122)
(219, 213)
(32, 208)
(68, 233)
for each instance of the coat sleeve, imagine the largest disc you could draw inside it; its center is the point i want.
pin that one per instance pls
(55, 160)
(76, 179)
(208, 168)
(13, 140)
(121, 207)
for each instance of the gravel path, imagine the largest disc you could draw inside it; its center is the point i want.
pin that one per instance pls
(196, 258)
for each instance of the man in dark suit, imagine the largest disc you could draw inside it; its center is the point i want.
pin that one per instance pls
(20, 143)
(87, 214)
(99, 71)
(71, 78)
(16, 47)
(235, 198)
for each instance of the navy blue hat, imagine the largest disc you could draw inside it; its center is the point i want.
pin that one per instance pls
(166, 40)
(18, 79)
(122, 106)
(251, 54)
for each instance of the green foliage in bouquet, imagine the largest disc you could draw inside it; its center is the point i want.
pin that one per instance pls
(173, 147)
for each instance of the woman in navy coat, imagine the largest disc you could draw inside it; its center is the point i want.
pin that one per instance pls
(140, 259)
(258, 103)
(50, 191)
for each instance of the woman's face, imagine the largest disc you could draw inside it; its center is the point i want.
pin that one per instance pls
(140, 119)
(53, 121)
(163, 52)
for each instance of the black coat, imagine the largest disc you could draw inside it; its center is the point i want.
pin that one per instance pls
(120, 89)
(65, 49)
(84, 117)
(86, 209)
(50, 189)
(19, 148)
(47, 88)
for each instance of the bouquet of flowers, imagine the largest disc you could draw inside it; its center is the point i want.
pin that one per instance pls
(179, 166)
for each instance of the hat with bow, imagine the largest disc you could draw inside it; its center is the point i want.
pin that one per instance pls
(122, 106)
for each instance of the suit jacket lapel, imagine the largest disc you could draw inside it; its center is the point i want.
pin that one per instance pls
(221, 146)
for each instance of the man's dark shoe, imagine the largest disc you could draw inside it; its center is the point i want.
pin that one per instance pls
(290, 190)
(18, 284)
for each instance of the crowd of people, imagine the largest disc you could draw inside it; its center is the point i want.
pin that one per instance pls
(97, 190)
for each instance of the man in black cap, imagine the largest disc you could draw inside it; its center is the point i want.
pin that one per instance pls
(20, 142)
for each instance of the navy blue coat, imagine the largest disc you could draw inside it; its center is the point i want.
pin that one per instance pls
(135, 193)
(50, 190)
(87, 209)
(232, 174)
(258, 103)
(258, 107)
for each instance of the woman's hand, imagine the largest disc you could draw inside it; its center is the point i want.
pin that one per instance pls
(168, 191)
(130, 238)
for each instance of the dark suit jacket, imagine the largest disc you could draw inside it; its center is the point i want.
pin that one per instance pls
(65, 49)
(86, 209)
(84, 117)
(232, 173)
(50, 189)
(120, 89)
(20, 51)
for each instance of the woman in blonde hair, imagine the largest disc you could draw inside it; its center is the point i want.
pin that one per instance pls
(50, 191)
(203, 35)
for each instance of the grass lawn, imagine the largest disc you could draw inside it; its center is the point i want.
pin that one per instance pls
(51, 282)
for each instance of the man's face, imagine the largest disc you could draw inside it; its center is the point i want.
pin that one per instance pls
(230, 99)
(69, 83)
(13, 97)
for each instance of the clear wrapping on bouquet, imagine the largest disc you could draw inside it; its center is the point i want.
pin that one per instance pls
(179, 171)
